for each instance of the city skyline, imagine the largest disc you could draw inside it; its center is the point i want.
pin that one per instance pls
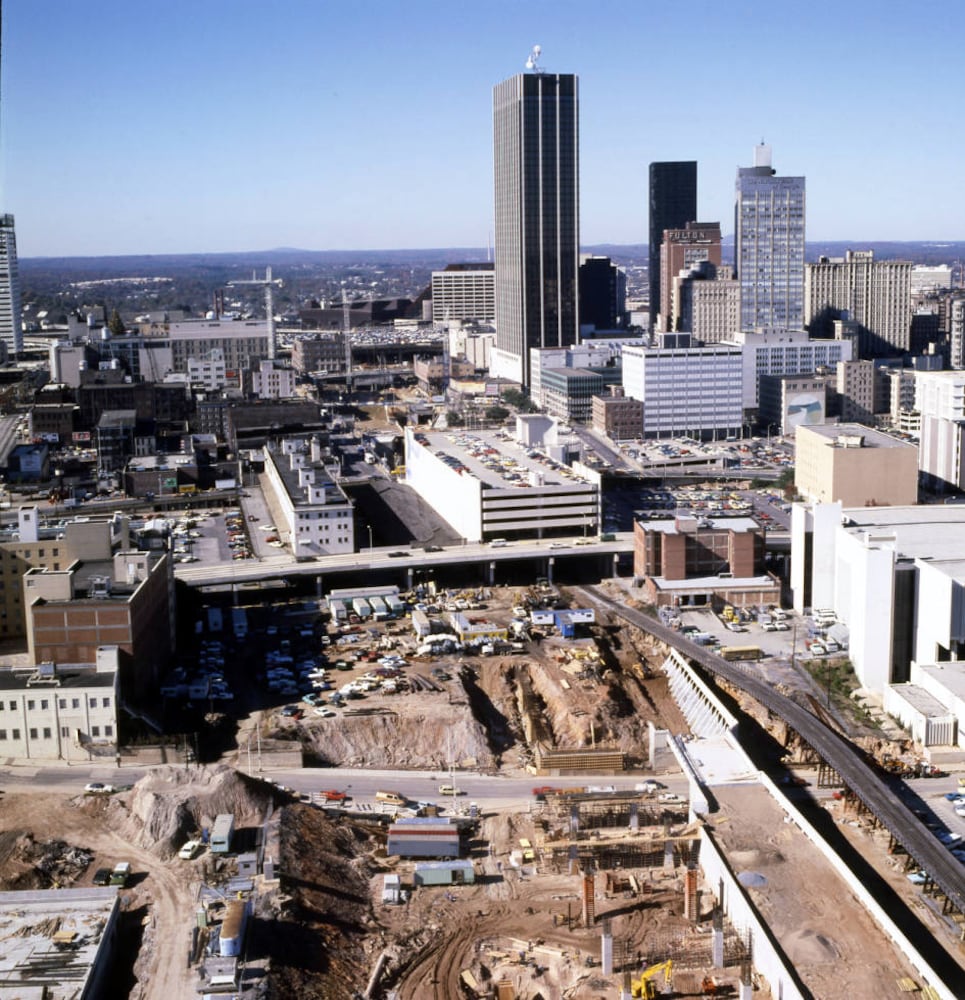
(231, 127)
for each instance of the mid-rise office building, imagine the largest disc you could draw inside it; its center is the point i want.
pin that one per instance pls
(692, 391)
(464, 292)
(874, 294)
(769, 245)
(272, 380)
(683, 249)
(11, 323)
(785, 353)
(537, 229)
(319, 352)
(791, 401)
(673, 203)
(710, 303)
(313, 515)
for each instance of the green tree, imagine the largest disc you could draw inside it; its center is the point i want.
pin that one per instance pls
(454, 418)
(497, 413)
(116, 325)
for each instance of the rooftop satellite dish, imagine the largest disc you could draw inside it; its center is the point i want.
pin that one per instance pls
(533, 60)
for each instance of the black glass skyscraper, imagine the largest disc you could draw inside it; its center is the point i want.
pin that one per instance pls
(537, 191)
(673, 203)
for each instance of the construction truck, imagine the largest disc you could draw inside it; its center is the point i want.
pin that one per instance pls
(645, 986)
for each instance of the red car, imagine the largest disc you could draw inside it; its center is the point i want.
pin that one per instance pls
(333, 796)
(546, 790)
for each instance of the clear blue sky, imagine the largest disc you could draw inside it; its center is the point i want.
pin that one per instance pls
(134, 126)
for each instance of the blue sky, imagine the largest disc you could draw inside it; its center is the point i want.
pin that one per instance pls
(134, 126)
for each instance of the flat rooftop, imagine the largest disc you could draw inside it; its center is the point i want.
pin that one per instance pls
(932, 532)
(51, 939)
(67, 676)
(670, 526)
(827, 935)
(870, 438)
(499, 463)
(950, 675)
(297, 493)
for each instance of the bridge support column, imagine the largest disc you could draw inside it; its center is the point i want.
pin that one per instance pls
(574, 819)
(492, 574)
(616, 564)
(409, 578)
(550, 563)
(634, 816)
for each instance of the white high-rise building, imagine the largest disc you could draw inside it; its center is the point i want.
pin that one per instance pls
(11, 324)
(692, 390)
(769, 245)
(537, 196)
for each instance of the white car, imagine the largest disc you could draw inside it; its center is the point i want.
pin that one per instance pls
(191, 850)
(325, 713)
(98, 788)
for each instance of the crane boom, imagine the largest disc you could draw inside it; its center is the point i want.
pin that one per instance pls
(268, 284)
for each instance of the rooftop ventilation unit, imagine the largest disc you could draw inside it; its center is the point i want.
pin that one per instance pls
(100, 587)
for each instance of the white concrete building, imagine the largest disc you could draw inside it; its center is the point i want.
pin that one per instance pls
(894, 575)
(60, 711)
(940, 401)
(694, 390)
(11, 319)
(210, 372)
(785, 352)
(316, 517)
(272, 380)
(487, 488)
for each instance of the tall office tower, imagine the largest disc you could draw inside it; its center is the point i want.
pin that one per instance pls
(11, 326)
(683, 249)
(769, 246)
(673, 203)
(876, 294)
(537, 197)
(603, 294)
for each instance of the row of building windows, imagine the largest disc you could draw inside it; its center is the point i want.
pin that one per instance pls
(61, 703)
(34, 733)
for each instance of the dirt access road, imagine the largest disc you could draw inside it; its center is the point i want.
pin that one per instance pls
(163, 890)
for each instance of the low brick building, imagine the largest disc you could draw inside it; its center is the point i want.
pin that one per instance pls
(703, 561)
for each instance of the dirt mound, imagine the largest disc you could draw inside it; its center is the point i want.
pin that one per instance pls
(169, 805)
(416, 739)
(319, 938)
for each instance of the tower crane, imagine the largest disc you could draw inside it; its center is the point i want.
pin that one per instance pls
(268, 284)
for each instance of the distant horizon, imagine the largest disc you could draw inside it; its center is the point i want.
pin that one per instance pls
(726, 239)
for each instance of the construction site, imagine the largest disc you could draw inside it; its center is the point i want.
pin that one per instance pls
(616, 851)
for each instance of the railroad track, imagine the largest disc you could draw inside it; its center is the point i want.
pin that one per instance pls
(945, 870)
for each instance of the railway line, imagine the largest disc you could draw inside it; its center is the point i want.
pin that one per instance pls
(945, 871)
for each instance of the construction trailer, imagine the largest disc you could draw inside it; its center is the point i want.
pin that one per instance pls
(221, 834)
(458, 872)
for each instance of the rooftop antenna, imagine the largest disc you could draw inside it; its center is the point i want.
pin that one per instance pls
(532, 63)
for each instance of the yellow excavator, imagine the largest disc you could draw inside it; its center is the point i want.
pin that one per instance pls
(644, 986)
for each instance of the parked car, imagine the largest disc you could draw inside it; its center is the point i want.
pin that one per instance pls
(330, 795)
(102, 876)
(191, 850)
(98, 788)
(291, 712)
